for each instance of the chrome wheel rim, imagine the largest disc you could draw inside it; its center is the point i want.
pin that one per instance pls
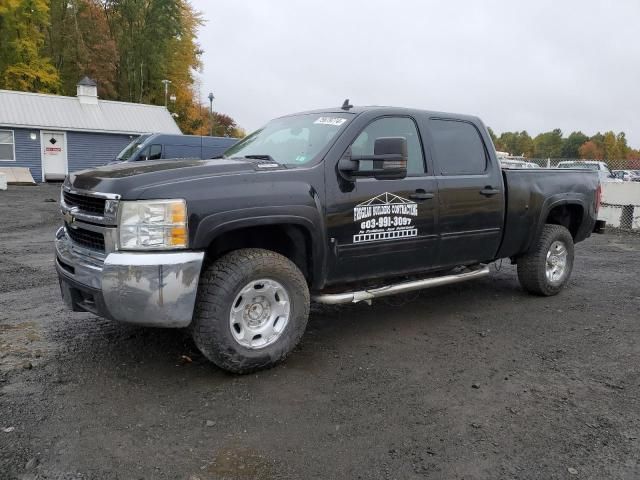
(260, 313)
(556, 262)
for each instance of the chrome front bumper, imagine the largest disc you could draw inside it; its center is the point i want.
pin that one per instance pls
(153, 289)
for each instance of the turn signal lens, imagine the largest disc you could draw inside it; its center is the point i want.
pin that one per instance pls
(178, 237)
(178, 213)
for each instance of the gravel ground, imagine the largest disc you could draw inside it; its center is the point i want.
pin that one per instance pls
(473, 381)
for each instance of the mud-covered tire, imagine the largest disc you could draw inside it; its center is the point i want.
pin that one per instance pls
(534, 266)
(221, 283)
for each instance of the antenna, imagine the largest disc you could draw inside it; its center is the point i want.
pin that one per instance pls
(346, 105)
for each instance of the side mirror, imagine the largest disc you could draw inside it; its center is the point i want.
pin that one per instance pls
(389, 160)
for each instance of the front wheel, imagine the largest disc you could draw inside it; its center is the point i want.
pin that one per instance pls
(252, 310)
(545, 269)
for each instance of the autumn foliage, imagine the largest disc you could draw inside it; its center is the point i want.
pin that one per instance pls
(127, 46)
(552, 144)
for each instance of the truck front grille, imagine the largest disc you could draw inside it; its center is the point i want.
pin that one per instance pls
(86, 238)
(85, 203)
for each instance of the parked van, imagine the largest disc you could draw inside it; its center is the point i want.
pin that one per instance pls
(156, 146)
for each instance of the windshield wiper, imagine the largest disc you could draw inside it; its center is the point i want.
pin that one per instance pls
(268, 158)
(262, 161)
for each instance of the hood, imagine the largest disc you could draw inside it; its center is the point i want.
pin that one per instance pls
(127, 178)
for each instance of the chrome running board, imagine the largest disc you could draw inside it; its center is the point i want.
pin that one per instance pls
(368, 295)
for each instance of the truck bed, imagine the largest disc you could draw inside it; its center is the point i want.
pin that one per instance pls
(531, 194)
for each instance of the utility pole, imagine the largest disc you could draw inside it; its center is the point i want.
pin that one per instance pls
(211, 97)
(166, 91)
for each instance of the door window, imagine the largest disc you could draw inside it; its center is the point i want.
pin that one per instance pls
(155, 152)
(391, 127)
(458, 148)
(182, 151)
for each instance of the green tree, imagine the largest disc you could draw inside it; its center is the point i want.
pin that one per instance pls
(143, 31)
(572, 144)
(610, 146)
(548, 144)
(493, 136)
(22, 66)
(621, 145)
(516, 143)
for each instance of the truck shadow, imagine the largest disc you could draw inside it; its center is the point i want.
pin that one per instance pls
(332, 330)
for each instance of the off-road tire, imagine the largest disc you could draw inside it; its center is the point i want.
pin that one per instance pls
(532, 265)
(220, 282)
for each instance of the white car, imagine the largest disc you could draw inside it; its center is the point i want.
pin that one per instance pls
(627, 175)
(602, 168)
(512, 163)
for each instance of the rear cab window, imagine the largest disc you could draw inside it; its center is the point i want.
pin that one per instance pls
(457, 147)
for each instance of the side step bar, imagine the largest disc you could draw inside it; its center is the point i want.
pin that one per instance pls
(368, 295)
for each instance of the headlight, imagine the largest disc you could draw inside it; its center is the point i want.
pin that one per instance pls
(153, 225)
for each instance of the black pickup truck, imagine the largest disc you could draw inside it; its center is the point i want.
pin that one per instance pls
(335, 206)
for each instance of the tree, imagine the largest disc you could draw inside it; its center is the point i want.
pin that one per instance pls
(548, 144)
(494, 139)
(183, 60)
(516, 143)
(590, 150)
(80, 43)
(127, 46)
(22, 67)
(610, 146)
(572, 144)
(144, 31)
(621, 145)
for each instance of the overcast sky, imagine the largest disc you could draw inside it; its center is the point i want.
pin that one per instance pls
(520, 65)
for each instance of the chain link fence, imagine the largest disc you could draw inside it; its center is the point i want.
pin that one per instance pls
(620, 180)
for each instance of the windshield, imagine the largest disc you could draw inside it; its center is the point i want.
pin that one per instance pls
(590, 166)
(292, 141)
(132, 148)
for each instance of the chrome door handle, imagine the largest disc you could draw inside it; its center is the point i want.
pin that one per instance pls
(488, 191)
(421, 195)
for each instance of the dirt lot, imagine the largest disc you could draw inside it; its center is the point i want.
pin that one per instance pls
(474, 381)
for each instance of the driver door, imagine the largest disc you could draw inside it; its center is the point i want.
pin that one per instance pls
(382, 227)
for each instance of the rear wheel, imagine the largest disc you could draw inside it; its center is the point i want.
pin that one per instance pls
(546, 268)
(252, 310)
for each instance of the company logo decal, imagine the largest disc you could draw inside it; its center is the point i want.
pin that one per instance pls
(385, 217)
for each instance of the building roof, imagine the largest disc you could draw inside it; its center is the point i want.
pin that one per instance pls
(38, 110)
(88, 82)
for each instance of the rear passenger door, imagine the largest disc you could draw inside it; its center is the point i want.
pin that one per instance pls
(470, 191)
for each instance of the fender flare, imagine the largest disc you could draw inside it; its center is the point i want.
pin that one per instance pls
(557, 201)
(305, 217)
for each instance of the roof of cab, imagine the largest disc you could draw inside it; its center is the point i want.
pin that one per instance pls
(387, 110)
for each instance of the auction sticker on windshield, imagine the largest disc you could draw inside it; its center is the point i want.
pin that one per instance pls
(385, 217)
(336, 121)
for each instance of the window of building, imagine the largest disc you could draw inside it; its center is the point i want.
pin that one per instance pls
(458, 148)
(7, 146)
(391, 127)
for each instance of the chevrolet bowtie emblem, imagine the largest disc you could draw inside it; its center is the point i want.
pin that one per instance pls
(69, 218)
